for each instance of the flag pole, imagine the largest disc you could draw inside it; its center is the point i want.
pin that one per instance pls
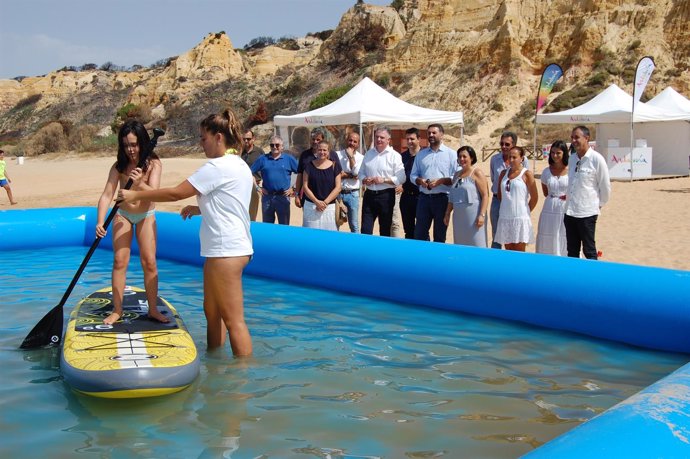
(644, 70)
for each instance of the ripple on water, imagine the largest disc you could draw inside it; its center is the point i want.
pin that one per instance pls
(333, 375)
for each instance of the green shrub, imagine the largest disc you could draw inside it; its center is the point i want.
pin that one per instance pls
(598, 79)
(329, 96)
(634, 45)
(27, 101)
(397, 5)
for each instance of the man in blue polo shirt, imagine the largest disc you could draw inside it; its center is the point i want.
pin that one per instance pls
(276, 169)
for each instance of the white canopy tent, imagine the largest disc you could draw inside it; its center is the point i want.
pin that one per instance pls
(671, 101)
(366, 103)
(665, 129)
(612, 105)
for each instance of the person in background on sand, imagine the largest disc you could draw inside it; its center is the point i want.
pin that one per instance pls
(223, 187)
(250, 153)
(275, 168)
(381, 172)
(518, 195)
(498, 164)
(5, 179)
(554, 183)
(321, 186)
(589, 189)
(134, 217)
(318, 135)
(433, 171)
(468, 200)
(410, 191)
(350, 162)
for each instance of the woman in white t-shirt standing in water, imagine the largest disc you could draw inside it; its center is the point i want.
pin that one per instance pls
(223, 187)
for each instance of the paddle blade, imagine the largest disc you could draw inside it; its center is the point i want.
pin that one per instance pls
(47, 332)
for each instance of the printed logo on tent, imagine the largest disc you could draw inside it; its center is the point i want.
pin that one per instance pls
(312, 120)
(626, 159)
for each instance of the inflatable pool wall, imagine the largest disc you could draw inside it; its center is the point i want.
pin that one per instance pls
(641, 306)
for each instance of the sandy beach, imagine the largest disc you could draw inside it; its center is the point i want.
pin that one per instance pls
(645, 223)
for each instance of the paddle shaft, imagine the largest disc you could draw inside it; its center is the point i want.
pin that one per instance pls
(93, 247)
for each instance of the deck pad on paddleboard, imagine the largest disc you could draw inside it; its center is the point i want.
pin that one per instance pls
(97, 306)
(135, 357)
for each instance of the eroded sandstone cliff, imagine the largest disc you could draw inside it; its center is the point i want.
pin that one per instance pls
(483, 57)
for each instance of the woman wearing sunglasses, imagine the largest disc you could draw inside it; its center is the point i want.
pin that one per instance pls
(518, 194)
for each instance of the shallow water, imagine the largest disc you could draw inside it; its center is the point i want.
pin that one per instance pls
(333, 376)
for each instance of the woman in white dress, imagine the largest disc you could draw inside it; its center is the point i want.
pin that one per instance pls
(468, 200)
(554, 184)
(518, 195)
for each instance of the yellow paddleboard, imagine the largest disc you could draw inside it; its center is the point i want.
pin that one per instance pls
(134, 357)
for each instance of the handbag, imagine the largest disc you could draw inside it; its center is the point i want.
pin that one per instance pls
(340, 212)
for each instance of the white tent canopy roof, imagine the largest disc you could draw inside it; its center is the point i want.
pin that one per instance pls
(367, 102)
(613, 105)
(670, 100)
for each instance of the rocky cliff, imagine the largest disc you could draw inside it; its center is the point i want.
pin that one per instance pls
(483, 57)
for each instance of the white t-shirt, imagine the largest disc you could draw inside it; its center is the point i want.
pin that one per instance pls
(225, 187)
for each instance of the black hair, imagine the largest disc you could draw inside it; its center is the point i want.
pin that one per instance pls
(413, 130)
(470, 151)
(143, 140)
(561, 145)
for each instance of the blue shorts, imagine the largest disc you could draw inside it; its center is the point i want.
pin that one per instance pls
(3, 183)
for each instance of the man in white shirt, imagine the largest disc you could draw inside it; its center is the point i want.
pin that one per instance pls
(381, 171)
(589, 188)
(351, 161)
(433, 171)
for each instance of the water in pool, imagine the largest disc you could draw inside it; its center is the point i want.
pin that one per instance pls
(333, 376)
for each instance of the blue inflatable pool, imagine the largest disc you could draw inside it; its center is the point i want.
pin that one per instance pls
(647, 307)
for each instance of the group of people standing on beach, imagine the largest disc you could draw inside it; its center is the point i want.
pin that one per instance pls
(429, 186)
(435, 185)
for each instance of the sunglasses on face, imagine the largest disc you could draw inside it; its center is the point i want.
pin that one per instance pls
(506, 144)
(275, 145)
(247, 139)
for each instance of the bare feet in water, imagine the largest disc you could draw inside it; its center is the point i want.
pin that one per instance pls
(112, 318)
(155, 314)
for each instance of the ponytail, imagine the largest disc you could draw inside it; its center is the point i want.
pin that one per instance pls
(226, 124)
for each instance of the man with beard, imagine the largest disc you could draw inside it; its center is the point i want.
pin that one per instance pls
(432, 172)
